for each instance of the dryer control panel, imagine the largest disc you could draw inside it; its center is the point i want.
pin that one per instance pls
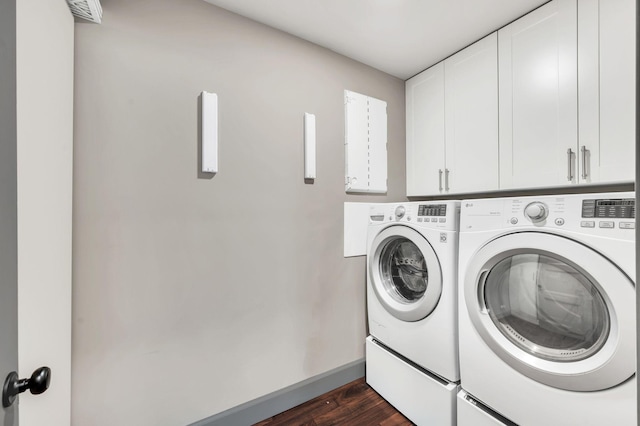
(624, 208)
(608, 214)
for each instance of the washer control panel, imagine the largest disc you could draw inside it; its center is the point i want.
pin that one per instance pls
(432, 210)
(434, 213)
(442, 215)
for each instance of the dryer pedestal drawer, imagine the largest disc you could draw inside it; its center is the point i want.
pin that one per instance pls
(422, 398)
(473, 413)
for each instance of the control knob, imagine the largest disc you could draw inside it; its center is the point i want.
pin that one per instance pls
(400, 211)
(536, 212)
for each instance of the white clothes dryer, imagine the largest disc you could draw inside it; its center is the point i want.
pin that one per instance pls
(412, 350)
(547, 317)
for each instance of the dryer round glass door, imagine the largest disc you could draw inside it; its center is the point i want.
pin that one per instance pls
(405, 273)
(546, 307)
(554, 310)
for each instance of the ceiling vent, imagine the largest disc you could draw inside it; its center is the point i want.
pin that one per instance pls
(86, 9)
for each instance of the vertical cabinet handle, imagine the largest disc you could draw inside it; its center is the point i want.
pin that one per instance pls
(569, 171)
(440, 179)
(446, 180)
(584, 151)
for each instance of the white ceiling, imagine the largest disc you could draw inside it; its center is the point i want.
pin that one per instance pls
(399, 37)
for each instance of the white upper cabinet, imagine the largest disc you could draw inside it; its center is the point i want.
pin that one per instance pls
(425, 132)
(471, 117)
(452, 124)
(538, 97)
(606, 90)
(549, 101)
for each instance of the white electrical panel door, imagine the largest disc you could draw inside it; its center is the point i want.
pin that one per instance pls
(377, 145)
(606, 90)
(538, 111)
(471, 118)
(356, 142)
(425, 132)
(365, 143)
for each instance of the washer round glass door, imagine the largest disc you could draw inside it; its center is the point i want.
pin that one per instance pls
(405, 273)
(554, 309)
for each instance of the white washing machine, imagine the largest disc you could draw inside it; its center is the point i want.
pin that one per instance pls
(412, 351)
(547, 307)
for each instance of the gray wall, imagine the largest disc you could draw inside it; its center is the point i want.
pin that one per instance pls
(194, 295)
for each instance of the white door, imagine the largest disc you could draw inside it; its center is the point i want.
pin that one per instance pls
(8, 206)
(471, 117)
(36, 162)
(405, 273)
(538, 97)
(554, 310)
(12, 384)
(606, 85)
(425, 132)
(8, 242)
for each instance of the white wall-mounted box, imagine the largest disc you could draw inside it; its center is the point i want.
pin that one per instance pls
(209, 130)
(309, 146)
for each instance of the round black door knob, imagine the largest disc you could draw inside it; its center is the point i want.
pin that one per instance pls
(37, 384)
(40, 380)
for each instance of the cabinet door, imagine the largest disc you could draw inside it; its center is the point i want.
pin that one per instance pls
(425, 132)
(538, 97)
(606, 68)
(471, 117)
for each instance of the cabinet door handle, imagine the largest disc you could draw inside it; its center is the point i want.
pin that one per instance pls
(569, 171)
(584, 151)
(446, 180)
(440, 179)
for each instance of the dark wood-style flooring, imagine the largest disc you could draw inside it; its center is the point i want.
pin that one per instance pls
(354, 404)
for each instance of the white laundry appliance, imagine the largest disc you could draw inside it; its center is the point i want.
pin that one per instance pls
(412, 350)
(547, 308)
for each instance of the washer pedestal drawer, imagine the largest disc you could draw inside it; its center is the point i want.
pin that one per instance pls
(423, 398)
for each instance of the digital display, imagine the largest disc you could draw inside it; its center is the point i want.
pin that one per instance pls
(612, 209)
(432, 210)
